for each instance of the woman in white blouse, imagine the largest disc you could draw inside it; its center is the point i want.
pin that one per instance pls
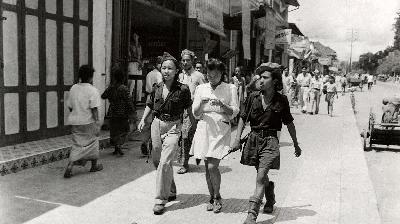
(215, 104)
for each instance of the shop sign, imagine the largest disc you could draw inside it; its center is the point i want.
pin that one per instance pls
(283, 36)
(270, 27)
(246, 26)
(209, 14)
(324, 61)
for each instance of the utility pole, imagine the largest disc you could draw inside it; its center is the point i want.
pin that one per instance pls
(353, 38)
(351, 48)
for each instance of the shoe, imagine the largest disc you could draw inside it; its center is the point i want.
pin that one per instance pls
(68, 173)
(311, 113)
(158, 209)
(182, 170)
(210, 204)
(254, 207)
(303, 111)
(172, 198)
(270, 196)
(98, 167)
(217, 206)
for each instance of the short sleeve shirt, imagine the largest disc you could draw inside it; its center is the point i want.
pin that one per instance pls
(270, 118)
(193, 78)
(82, 98)
(153, 77)
(175, 103)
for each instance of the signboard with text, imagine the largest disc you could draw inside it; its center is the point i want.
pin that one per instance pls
(283, 36)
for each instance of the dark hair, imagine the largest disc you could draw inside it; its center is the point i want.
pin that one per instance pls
(199, 62)
(85, 73)
(118, 76)
(215, 64)
(276, 74)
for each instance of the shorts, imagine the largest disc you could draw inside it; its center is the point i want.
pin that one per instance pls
(261, 152)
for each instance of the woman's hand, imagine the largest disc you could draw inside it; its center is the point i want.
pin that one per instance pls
(235, 146)
(141, 125)
(297, 150)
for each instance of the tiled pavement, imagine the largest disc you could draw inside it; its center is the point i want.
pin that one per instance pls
(32, 154)
(329, 183)
(27, 155)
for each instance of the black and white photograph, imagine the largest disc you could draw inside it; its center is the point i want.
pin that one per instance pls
(199, 111)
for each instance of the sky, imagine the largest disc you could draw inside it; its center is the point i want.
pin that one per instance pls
(331, 22)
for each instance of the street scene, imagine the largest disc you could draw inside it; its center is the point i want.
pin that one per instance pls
(199, 111)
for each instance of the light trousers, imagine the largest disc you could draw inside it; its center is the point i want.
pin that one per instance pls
(304, 97)
(315, 98)
(164, 137)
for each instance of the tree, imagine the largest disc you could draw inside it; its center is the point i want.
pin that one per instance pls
(396, 27)
(368, 62)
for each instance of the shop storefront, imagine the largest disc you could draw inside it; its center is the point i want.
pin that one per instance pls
(143, 30)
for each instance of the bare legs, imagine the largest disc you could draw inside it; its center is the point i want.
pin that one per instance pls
(213, 177)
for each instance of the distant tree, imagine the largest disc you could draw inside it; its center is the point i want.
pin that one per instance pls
(396, 27)
(368, 62)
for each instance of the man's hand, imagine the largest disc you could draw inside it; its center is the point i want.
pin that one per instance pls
(297, 150)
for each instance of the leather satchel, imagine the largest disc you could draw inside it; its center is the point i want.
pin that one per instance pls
(243, 140)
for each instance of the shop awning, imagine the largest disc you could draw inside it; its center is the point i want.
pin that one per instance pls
(292, 2)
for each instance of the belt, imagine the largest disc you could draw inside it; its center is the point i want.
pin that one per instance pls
(265, 132)
(316, 88)
(168, 117)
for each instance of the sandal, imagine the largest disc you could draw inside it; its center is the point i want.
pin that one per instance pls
(182, 170)
(98, 167)
(68, 173)
(210, 205)
(217, 205)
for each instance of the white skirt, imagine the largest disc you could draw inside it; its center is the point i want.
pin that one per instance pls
(212, 139)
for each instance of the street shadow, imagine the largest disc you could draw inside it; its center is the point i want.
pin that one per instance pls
(229, 205)
(289, 214)
(381, 149)
(202, 168)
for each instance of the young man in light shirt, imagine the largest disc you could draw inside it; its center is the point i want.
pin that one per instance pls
(315, 93)
(304, 80)
(192, 78)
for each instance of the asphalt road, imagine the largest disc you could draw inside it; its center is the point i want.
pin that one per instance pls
(383, 162)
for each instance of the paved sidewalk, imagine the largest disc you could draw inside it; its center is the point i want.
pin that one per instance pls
(329, 183)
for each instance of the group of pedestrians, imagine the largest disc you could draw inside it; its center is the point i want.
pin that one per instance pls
(305, 89)
(188, 114)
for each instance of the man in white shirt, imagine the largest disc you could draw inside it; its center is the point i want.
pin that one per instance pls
(315, 93)
(370, 81)
(287, 79)
(192, 78)
(304, 80)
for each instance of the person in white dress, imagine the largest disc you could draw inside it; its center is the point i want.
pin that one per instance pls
(215, 104)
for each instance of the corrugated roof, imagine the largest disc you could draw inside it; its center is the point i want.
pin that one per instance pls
(323, 50)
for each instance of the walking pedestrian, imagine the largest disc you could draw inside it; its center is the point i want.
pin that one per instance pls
(370, 81)
(120, 110)
(192, 78)
(83, 103)
(215, 104)
(168, 101)
(304, 79)
(315, 93)
(331, 93)
(154, 77)
(266, 110)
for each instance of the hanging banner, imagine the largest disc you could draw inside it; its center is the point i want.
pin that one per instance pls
(283, 36)
(246, 26)
(270, 26)
(209, 14)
